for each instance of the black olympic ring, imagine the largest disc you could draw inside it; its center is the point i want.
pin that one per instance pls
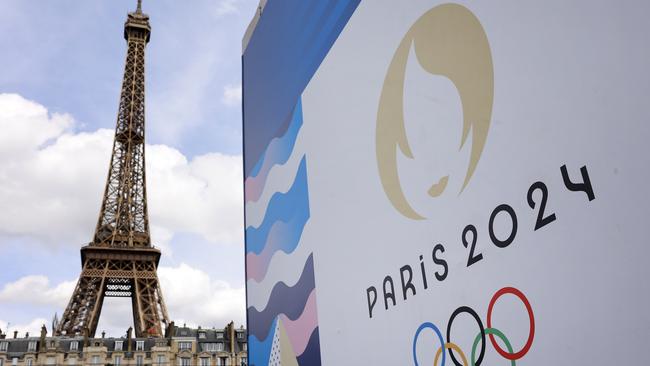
(470, 311)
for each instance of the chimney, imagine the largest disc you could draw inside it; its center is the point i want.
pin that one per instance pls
(231, 333)
(103, 334)
(42, 345)
(86, 340)
(171, 330)
(26, 334)
(15, 334)
(128, 339)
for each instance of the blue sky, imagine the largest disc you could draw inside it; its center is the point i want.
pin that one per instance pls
(61, 68)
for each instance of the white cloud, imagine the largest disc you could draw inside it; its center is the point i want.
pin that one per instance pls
(33, 327)
(194, 298)
(201, 196)
(51, 184)
(31, 127)
(36, 290)
(190, 294)
(231, 95)
(52, 180)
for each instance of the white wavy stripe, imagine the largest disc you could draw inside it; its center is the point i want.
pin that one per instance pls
(280, 179)
(284, 267)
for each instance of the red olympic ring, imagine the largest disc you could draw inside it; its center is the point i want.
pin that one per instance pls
(531, 334)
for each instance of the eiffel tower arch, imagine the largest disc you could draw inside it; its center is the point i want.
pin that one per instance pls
(121, 261)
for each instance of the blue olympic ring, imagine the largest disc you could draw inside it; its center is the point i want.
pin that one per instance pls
(415, 339)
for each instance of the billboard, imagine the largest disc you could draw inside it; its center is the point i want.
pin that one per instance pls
(447, 183)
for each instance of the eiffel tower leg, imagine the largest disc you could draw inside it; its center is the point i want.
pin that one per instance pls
(85, 305)
(148, 304)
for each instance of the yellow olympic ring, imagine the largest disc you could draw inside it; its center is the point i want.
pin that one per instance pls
(454, 347)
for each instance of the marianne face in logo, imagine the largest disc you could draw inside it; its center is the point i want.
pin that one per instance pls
(447, 41)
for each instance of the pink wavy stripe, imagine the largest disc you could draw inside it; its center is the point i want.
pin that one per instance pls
(254, 186)
(257, 264)
(300, 329)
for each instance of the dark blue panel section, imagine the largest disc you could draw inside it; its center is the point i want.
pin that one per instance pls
(290, 41)
(290, 301)
(311, 355)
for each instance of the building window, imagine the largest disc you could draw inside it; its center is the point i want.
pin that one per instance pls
(74, 346)
(201, 335)
(245, 346)
(209, 347)
(2, 362)
(219, 335)
(205, 361)
(184, 346)
(14, 361)
(118, 361)
(161, 359)
(30, 362)
(119, 345)
(4, 346)
(244, 361)
(95, 360)
(240, 335)
(50, 361)
(184, 361)
(139, 345)
(139, 360)
(31, 346)
(219, 347)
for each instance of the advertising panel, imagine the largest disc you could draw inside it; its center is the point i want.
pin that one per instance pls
(447, 183)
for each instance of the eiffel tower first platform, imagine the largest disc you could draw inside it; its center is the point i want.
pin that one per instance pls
(120, 261)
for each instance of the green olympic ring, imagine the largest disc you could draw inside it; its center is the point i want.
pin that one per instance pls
(497, 333)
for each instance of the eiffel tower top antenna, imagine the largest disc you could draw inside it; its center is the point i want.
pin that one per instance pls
(139, 9)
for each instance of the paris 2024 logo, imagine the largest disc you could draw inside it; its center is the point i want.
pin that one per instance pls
(448, 41)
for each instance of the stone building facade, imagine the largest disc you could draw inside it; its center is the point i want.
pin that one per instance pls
(182, 346)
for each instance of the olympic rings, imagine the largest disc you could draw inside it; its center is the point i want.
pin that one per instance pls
(499, 334)
(531, 332)
(450, 346)
(415, 339)
(491, 331)
(470, 311)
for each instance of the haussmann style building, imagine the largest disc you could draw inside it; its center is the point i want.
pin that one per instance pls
(181, 346)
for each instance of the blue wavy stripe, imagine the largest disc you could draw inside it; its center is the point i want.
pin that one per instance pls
(281, 147)
(283, 207)
(260, 351)
(286, 300)
(274, 76)
(311, 355)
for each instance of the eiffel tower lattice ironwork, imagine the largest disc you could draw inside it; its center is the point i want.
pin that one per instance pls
(120, 261)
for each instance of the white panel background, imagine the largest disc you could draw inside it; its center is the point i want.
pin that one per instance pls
(571, 87)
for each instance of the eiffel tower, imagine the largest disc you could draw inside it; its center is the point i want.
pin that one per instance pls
(120, 261)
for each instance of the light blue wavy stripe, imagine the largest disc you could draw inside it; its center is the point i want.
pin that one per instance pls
(284, 144)
(283, 207)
